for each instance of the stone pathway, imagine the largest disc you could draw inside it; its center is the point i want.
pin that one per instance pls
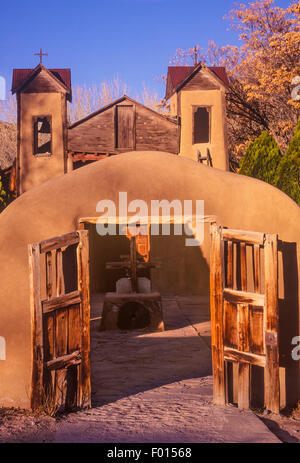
(151, 387)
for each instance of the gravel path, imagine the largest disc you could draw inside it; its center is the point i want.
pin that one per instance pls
(147, 387)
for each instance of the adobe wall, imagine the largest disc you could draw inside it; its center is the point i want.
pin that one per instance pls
(54, 208)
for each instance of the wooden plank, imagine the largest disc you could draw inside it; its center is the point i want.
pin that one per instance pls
(61, 302)
(256, 331)
(125, 125)
(216, 307)
(61, 346)
(244, 386)
(37, 326)
(256, 254)
(234, 355)
(48, 258)
(235, 381)
(229, 282)
(74, 329)
(84, 393)
(234, 296)
(64, 361)
(248, 237)
(49, 336)
(272, 396)
(59, 242)
(243, 266)
(230, 325)
(243, 346)
(59, 272)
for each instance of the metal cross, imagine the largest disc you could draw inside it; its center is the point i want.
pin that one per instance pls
(41, 54)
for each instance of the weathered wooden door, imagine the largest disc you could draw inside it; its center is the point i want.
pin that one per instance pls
(125, 126)
(244, 316)
(59, 286)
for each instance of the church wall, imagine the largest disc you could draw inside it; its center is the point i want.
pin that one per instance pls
(97, 134)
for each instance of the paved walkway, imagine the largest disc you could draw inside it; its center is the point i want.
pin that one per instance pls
(153, 387)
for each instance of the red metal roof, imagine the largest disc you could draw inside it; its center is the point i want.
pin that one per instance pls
(178, 74)
(21, 75)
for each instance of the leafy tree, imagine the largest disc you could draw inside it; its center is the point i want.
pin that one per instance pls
(260, 70)
(4, 197)
(262, 159)
(288, 172)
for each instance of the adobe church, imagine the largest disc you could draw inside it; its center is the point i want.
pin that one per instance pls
(246, 269)
(48, 146)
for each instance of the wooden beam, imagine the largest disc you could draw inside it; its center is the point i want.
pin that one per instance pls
(59, 242)
(248, 237)
(61, 302)
(235, 355)
(64, 361)
(36, 326)
(243, 346)
(234, 296)
(84, 288)
(272, 397)
(216, 307)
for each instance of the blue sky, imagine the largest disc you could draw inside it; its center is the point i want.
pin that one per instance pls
(102, 39)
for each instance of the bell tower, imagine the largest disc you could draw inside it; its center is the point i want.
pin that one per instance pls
(42, 96)
(197, 101)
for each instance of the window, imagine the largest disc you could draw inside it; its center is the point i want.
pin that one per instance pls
(42, 136)
(201, 133)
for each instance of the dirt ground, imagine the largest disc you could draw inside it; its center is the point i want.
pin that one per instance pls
(152, 387)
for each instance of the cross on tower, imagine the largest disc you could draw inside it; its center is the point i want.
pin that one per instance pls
(41, 54)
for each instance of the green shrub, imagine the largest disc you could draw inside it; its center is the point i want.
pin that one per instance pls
(288, 172)
(262, 159)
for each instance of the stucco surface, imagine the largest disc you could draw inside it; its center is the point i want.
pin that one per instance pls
(54, 208)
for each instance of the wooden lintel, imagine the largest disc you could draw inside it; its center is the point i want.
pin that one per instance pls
(83, 157)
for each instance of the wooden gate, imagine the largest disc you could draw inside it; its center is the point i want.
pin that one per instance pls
(60, 310)
(244, 316)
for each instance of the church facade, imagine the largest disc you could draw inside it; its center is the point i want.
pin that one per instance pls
(48, 146)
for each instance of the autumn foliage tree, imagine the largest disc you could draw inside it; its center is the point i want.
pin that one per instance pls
(261, 70)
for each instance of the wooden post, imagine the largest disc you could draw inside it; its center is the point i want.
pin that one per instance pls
(216, 307)
(272, 398)
(84, 288)
(133, 264)
(243, 346)
(36, 326)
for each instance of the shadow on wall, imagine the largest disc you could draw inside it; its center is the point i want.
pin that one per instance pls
(289, 319)
(183, 269)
